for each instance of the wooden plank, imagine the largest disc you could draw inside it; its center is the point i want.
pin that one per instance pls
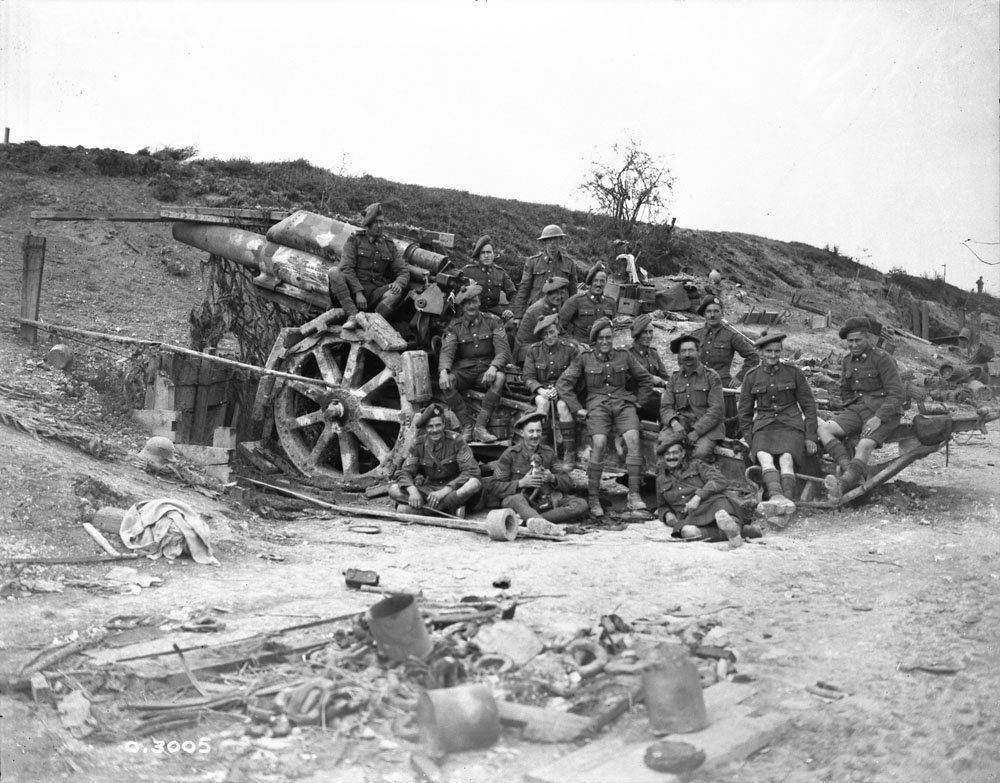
(203, 455)
(129, 217)
(224, 438)
(222, 215)
(31, 283)
(735, 733)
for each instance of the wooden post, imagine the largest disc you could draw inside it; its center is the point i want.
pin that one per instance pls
(31, 283)
(6, 135)
(925, 320)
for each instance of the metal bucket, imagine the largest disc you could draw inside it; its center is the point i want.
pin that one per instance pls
(460, 718)
(398, 628)
(672, 693)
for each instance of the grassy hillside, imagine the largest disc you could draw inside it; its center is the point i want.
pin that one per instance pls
(770, 267)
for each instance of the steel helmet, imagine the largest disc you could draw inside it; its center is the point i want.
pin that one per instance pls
(551, 232)
(158, 449)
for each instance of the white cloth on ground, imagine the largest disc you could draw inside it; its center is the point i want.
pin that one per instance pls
(167, 528)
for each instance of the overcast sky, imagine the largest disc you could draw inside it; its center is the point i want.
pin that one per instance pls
(868, 125)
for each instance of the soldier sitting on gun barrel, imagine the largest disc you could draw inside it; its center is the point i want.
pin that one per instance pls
(371, 274)
(440, 472)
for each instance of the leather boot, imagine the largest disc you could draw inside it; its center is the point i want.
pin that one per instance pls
(634, 467)
(594, 472)
(568, 432)
(854, 475)
(479, 431)
(838, 453)
(788, 485)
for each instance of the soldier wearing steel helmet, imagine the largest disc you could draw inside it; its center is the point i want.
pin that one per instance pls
(537, 269)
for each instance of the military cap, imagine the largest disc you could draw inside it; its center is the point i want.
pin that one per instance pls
(856, 323)
(467, 292)
(640, 324)
(528, 418)
(708, 300)
(158, 451)
(667, 439)
(675, 344)
(599, 325)
(424, 417)
(554, 284)
(482, 242)
(372, 211)
(546, 322)
(767, 339)
(594, 270)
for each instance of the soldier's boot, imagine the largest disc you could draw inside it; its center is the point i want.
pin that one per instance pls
(777, 504)
(456, 402)
(568, 432)
(838, 453)
(569, 511)
(388, 303)
(634, 467)
(752, 531)
(854, 475)
(341, 294)
(594, 472)
(772, 481)
(788, 485)
(730, 528)
(479, 431)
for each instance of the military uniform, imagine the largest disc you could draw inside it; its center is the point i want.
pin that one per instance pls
(695, 398)
(544, 365)
(581, 311)
(870, 386)
(718, 347)
(370, 266)
(649, 406)
(526, 330)
(538, 269)
(432, 466)
(777, 411)
(469, 349)
(609, 401)
(493, 280)
(549, 502)
(695, 477)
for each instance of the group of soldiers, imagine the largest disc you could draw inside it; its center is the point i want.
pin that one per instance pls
(564, 340)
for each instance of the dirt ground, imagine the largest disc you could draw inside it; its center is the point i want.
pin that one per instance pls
(894, 602)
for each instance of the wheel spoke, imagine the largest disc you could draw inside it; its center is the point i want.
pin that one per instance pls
(381, 414)
(324, 440)
(349, 453)
(316, 417)
(368, 388)
(327, 365)
(315, 393)
(354, 366)
(372, 440)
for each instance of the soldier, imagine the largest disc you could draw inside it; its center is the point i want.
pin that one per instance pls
(544, 363)
(474, 352)
(693, 498)
(872, 395)
(440, 471)
(528, 479)
(491, 278)
(610, 406)
(539, 268)
(692, 399)
(777, 414)
(555, 291)
(581, 310)
(720, 343)
(643, 350)
(371, 274)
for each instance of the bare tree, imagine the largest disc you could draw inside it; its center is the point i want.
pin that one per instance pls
(630, 185)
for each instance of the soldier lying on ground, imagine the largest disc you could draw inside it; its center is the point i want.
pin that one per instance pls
(777, 414)
(693, 498)
(554, 292)
(692, 400)
(371, 275)
(610, 406)
(582, 309)
(528, 479)
(473, 354)
(545, 361)
(440, 472)
(642, 349)
(872, 394)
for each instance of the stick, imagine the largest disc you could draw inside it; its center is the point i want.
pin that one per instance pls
(101, 540)
(188, 672)
(70, 331)
(69, 559)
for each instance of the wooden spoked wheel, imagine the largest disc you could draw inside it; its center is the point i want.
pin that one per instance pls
(358, 428)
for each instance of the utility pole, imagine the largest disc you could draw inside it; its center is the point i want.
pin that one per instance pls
(944, 273)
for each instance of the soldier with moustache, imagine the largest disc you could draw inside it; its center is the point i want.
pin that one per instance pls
(544, 363)
(610, 406)
(719, 343)
(528, 479)
(440, 473)
(692, 403)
